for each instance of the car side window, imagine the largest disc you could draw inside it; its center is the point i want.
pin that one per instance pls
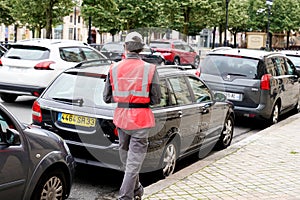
(164, 95)
(181, 90)
(90, 54)
(271, 67)
(73, 54)
(291, 69)
(201, 91)
(4, 125)
(279, 66)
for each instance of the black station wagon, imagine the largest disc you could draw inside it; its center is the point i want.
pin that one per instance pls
(260, 84)
(190, 118)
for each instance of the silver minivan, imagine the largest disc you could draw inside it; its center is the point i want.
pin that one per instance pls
(260, 84)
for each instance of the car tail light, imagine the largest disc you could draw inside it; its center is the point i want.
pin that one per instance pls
(44, 65)
(265, 82)
(198, 72)
(36, 112)
(0, 62)
(123, 56)
(116, 132)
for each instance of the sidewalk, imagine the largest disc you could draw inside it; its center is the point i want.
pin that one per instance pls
(263, 166)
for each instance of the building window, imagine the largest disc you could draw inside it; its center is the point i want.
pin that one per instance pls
(79, 19)
(58, 32)
(70, 33)
(71, 18)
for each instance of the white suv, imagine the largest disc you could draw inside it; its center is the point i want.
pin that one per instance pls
(29, 66)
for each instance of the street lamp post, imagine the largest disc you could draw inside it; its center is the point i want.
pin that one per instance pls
(268, 42)
(226, 27)
(75, 22)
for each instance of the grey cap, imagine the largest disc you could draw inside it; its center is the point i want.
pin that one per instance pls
(134, 37)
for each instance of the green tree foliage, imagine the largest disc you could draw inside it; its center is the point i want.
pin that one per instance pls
(237, 19)
(104, 14)
(5, 13)
(40, 14)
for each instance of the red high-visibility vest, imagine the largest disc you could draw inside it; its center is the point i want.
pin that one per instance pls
(130, 80)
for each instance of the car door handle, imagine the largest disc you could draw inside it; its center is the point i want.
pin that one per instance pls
(180, 114)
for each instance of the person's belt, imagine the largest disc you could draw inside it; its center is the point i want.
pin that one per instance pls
(133, 105)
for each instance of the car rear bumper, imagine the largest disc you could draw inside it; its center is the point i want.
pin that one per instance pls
(262, 111)
(20, 89)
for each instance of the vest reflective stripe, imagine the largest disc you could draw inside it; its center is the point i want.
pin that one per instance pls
(143, 93)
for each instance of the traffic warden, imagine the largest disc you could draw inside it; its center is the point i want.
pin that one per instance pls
(134, 85)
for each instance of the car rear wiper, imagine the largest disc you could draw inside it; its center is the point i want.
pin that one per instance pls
(76, 101)
(234, 74)
(14, 57)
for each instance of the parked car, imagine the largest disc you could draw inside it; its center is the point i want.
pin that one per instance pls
(260, 84)
(190, 118)
(176, 52)
(2, 50)
(34, 163)
(29, 66)
(115, 51)
(294, 56)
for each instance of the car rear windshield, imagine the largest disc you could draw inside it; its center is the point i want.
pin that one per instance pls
(113, 47)
(27, 52)
(71, 87)
(163, 45)
(223, 65)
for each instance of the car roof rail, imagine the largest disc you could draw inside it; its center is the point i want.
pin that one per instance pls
(181, 67)
(90, 62)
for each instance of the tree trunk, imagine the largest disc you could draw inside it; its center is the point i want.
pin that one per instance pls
(214, 37)
(49, 20)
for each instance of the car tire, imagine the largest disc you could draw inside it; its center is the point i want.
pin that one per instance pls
(9, 98)
(176, 61)
(169, 159)
(196, 62)
(275, 114)
(226, 134)
(52, 185)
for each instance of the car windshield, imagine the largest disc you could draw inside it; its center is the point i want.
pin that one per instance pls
(229, 65)
(27, 53)
(163, 45)
(72, 87)
(295, 60)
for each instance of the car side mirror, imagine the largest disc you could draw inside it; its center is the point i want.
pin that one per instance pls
(220, 97)
(11, 137)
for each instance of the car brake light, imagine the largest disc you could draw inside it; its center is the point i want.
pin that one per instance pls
(123, 56)
(44, 65)
(265, 82)
(116, 132)
(36, 112)
(0, 62)
(198, 72)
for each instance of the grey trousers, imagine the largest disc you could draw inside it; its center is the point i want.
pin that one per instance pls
(132, 149)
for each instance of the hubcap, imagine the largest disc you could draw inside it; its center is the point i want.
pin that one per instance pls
(169, 160)
(53, 189)
(227, 133)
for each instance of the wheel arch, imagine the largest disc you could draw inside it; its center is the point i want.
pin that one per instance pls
(43, 168)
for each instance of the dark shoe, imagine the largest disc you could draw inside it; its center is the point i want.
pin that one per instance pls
(138, 193)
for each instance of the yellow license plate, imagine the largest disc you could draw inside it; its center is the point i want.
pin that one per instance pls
(77, 120)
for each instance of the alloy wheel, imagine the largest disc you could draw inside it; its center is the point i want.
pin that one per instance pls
(53, 189)
(169, 159)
